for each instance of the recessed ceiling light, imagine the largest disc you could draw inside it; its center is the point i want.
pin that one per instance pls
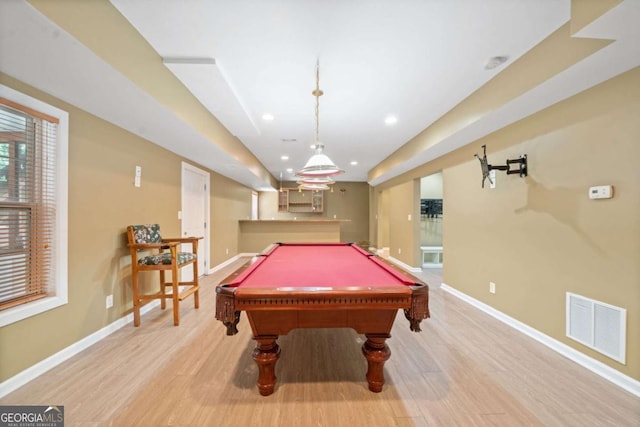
(353, 163)
(284, 157)
(288, 140)
(267, 117)
(391, 120)
(495, 62)
(289, 170)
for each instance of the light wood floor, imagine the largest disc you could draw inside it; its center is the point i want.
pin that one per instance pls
(464, 369)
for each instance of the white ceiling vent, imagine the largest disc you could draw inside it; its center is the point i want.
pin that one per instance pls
(597, 325)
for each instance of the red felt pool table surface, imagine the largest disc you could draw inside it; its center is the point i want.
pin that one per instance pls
(318, 266)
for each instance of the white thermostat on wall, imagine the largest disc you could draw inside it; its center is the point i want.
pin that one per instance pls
(601, 192)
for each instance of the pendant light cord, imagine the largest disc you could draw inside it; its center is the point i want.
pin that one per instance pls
(317, 93)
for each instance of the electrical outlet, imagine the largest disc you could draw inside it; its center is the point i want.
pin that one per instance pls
(109, 301)
(399, 250)
(227, 251)
(492, 287)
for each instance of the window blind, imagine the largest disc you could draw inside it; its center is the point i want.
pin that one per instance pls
(27, 203)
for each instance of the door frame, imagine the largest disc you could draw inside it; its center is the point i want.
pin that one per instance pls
(203, 245)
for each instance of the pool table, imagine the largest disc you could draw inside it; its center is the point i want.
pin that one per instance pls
(320, 285)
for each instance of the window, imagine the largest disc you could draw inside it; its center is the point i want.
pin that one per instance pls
(33, 206)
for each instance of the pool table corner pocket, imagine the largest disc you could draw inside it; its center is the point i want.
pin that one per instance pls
(225, 310)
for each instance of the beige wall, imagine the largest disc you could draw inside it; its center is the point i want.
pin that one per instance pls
(256, 236)
(230, 202)
(404, 222)
(381, 209)
(540, 237)
(102, 202)
(351, 204)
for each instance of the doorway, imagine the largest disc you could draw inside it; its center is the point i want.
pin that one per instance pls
(195, 215)
(431, 195)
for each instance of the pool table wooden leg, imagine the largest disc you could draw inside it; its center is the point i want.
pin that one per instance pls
(266, 355)
(376, 352)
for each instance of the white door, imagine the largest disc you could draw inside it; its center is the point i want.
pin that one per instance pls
(195, 214)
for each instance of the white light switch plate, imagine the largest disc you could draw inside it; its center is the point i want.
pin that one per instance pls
(492, 178)
(138, 176)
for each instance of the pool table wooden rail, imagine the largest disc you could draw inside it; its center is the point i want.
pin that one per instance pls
(230, 301)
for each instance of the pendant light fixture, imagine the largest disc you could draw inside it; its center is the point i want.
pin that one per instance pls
(316, 180)
(319, 166)
(316, 183)
(314, 187)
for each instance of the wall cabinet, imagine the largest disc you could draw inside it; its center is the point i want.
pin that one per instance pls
(300, 201)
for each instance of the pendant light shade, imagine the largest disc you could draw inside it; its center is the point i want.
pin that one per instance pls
(314, 187)
(315, 183)
(316, 180)
(319, 165)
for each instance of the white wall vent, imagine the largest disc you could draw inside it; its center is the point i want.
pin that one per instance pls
(600, 326)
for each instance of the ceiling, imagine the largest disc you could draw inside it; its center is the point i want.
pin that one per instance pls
(414, 60)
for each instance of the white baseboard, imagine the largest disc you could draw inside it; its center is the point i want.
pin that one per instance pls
(230, 261)
(54, 360)
(405, 266)
(616, 377)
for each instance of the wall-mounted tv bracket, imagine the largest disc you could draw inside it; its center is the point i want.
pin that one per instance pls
(521, 166)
